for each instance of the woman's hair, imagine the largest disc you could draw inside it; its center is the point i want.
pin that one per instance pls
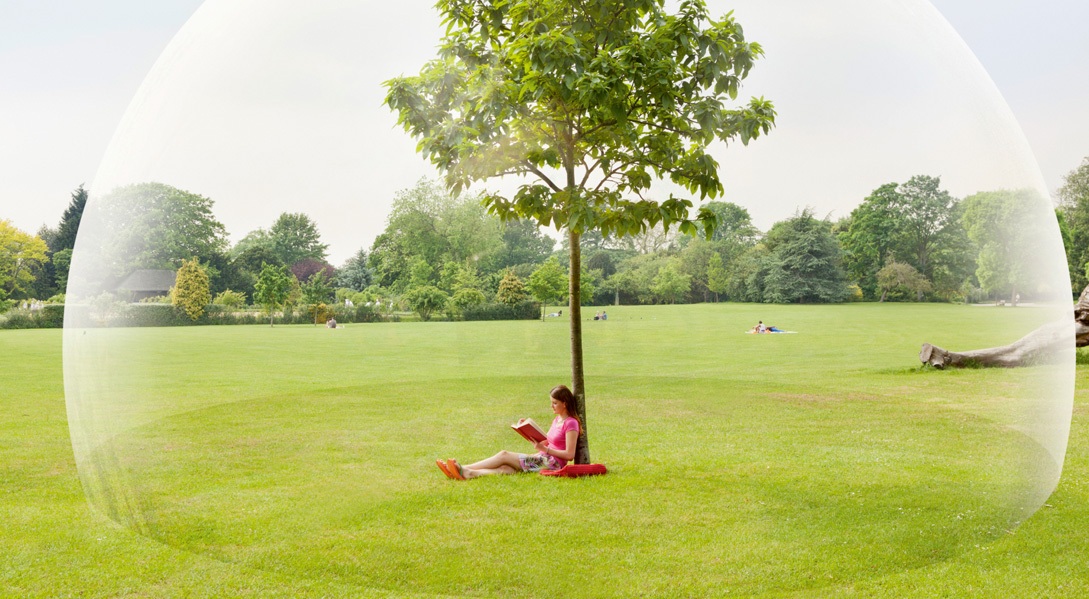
(570, 403)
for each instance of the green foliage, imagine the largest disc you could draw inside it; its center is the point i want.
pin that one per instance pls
(354, 273)
(426, 300)
(154, 226)
(19, 252)
(626, 92)
(62, 262)
(421, 274)
(428, 224)
(465, 299)
(718, 280)
(65, 238)
(294, 237)
(548, 283)
(870, 237)
(191, 290)
(511, 290)
(230, 299)
(732, 224)
(525, 310)
(272, 289)
(915, 222)
(1006, 226)
(803, 263)
(899, 281)
(670, 285)
(1074, 198)
(316, 290)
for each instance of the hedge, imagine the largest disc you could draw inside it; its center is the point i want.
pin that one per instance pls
(165, 315)
(520, 311)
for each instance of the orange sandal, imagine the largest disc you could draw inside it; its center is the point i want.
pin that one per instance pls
(454, 468)
(442, 466)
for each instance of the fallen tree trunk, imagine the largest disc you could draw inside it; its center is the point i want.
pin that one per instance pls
(1041, 345)
(1081, 319)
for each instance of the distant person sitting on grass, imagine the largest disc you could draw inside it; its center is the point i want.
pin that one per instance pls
(552, 454)
(331, 323)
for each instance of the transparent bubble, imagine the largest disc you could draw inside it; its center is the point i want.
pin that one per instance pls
(310, 453)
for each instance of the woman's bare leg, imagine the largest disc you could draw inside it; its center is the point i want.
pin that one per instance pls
(503, 458)
(504, 469)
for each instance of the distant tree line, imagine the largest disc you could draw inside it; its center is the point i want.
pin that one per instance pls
(442, 254)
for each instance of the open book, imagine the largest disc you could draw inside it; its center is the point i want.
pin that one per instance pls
(529, 429)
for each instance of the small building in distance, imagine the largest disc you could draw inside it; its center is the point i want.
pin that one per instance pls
(145, 283)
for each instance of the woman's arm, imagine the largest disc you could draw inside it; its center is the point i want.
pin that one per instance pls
(568, 454)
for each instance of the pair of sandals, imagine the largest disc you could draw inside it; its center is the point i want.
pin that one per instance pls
(451, 468)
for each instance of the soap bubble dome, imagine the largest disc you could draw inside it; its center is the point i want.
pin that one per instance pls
(248, 448)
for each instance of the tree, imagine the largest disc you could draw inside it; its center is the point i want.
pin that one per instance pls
(430, 224)
(523, 243)
(803, 263)
(19, 252)
(354, 273)
(65, 238)
(915, 222)
(308, 267)
(732, 223)
(511, 289)
(925, 221)
(897, 277)
(295, 237)
(316, 289)
(671, 284)
(272, 288)
(592, 101)
(869, 237)
(426, 300)
(466, 297)
(547, 283)
(1005, 226)
(62, 262)
(191, 293)
(718, 280)
(1074, 204)
(152, 226)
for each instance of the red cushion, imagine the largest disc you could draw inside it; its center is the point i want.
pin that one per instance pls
(573, 470)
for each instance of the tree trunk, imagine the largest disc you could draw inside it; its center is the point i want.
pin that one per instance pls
(582, 447)
(1041, 345)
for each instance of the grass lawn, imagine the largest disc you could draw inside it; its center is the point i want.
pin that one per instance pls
(299, 461)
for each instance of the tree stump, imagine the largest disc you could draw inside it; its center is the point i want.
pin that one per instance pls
(1039, 346)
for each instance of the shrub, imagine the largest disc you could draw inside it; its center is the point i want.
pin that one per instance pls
(230, 299)
(426, 300)
(526, 310)
(19, 319)
(51, 316)
(191, 291)
(511, 290)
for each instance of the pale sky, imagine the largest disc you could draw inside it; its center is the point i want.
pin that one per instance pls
(271, 106)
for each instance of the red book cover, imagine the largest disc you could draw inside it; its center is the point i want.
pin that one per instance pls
(529, 429)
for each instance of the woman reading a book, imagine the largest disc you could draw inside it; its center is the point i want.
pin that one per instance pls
(553, 452)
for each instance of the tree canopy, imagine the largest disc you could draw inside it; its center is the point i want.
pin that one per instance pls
(19, 252)
(591, 102)
(1074, 198)
(154, 226)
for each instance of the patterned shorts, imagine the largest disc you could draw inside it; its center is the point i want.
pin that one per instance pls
(537, 462)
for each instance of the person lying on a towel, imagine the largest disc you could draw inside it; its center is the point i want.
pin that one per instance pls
(553, 452)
